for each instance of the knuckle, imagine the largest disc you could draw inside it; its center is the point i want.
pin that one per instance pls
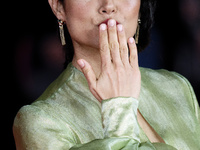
(120, 70)
(114, 46)
(132, 57)
(123, 48)
(104, 48)
(107, 70)
(86, 70)
(105, 66)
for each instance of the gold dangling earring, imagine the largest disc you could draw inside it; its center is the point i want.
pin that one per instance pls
(61, 29)
(137, 32)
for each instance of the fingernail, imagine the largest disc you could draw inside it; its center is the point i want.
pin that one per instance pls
(103, 26)
(119, 27)
(131, 40)
(111, 22)
(81, 63)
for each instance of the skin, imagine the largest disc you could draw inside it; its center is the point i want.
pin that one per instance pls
(102, 50)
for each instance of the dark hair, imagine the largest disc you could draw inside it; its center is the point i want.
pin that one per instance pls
(147, 10)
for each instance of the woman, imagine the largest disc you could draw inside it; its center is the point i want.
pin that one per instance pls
(103, 100)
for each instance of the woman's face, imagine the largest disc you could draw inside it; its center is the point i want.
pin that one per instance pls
(83, 18)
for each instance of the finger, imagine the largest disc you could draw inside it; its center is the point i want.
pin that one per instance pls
(122, 44)
(88, 72)
(90, 76)
(103, 45)
(133, 58)
(113, 41)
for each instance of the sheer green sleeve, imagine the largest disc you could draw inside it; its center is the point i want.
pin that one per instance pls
(36, 129)
(192, 99)
(39, 129)
(121, 129)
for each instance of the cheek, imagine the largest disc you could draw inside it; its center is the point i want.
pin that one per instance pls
(75, 12)
(78, 9)
(131, 10)
(132, 5)
(76, 16)
(78, 21)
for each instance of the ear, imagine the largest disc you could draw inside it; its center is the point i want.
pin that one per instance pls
(58, 9)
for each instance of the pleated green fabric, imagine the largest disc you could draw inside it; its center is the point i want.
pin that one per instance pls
(67, 116)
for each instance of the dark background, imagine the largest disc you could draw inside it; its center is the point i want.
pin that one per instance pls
(32, 56)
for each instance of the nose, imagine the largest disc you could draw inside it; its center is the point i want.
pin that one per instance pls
(107, 7)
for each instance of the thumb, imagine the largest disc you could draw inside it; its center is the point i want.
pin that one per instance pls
(89, 75)
(87, 71)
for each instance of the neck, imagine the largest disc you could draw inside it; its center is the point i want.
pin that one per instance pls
(91, 55)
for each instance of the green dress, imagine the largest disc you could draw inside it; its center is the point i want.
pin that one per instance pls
(67, 116)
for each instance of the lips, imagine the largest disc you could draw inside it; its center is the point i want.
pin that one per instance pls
(106, 22)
